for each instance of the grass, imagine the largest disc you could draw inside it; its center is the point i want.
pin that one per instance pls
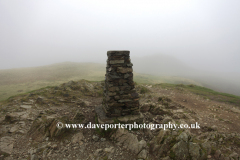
(205, 92)
(17, 81)
(24, 80)
(152, 79)
(4, 154)
(144, 90)
(101, 131)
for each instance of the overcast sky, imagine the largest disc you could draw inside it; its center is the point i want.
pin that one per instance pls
(202, 33)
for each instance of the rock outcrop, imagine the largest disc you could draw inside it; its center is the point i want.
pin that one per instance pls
(28, 128)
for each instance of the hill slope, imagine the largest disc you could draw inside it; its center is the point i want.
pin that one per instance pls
(28, 125)
(164, 65)
(15, 81)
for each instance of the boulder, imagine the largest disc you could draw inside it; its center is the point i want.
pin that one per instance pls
(183, 136)
(128, 141)
(142, 154)
(194, 151)
(47, 126)
(78, 138)
(6, 144)
(180, 150)
(11, 117)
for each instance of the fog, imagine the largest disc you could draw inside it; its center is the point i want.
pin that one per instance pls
(203, 35)
(165, 65)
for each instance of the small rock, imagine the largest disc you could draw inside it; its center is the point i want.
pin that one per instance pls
(148, 133)
(220, 140)
(103, 139)
(194, 151)
(166, 158)
(34, 157)
(183, 136)
(10, 117)
(21, 131)
(214, 127)
(128, 140)
(180, 149)
(22, 123)
(109, 150)
(98, 152)
(26, 106)
(217, 154)
(55, 146)
(174, 133)
(39, 149)
(143, 154)
(234, 155)
(233, 134)
(163, 133)
(166, 120)
(78, 138)
(44, 153)
(13, 129)
(6, 144)
(145, 107)
(207, 146)
(95, 138)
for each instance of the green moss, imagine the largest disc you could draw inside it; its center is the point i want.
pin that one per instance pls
(96, 119)
(49, 112)
(197, 141)
(213, 150)
(144, 90)
(177, 122)
(149, 96)
(192, 85)
(237, 143)
(102, 132)
(152, 107)
(204, 92)
(203, 150)
(173, 142)
(4, 154)
(172, 155)
(105, 158)
(220, 119)
(163, 139)
(100, 93)
(165, 103)
(116, 121)
(164, 100)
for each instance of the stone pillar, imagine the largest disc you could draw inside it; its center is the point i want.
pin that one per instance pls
(120, 98)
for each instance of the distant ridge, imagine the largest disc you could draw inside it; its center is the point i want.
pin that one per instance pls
(20, 80)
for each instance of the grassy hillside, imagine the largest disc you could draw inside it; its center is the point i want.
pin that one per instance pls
(164, 65)
(50, 73)
(205, 92)
(16, 81)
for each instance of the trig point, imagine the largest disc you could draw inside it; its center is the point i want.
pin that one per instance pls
(120, 99)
